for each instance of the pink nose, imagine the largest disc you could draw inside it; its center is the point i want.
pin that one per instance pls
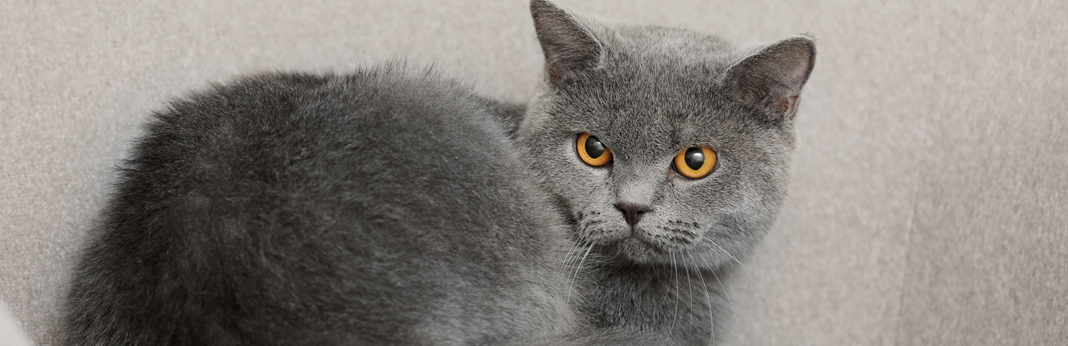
(632, 212)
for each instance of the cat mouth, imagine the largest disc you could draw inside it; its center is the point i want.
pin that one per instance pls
(636, 248)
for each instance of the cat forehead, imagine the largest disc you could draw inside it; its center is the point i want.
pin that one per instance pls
(652, 66)
(637, 46)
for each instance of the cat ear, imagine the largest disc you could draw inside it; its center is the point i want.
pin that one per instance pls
(569, 46)
(772, 78)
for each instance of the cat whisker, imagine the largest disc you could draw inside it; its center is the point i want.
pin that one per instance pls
(708, 299)
(576, 248)
(689, 288)
(575, 276)
(567, 256)
(567, 259)
(726, 294)
(676, 268)
(763, 298)
(760, 289)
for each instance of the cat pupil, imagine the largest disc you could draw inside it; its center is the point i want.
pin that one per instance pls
(594, 147)
(695, 158)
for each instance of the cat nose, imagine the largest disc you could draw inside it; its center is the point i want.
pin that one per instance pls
(632, 212)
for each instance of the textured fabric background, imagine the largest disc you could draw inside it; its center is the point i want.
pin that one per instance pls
(930, 198)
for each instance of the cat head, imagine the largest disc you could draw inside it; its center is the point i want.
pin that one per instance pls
(663, 145)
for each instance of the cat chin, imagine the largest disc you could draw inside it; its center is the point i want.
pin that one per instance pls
(637, 251)
(634, 249)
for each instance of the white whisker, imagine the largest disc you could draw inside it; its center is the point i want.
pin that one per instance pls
(803, 334)
(567, 259)
(676, 268)
(577, 268)
(725, 293)
(689, 288)
(763, 298)
(708, 299)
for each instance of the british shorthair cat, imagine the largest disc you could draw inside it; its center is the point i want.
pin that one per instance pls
(393, 205)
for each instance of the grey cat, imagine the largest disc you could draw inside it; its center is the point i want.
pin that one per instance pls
(396, 206)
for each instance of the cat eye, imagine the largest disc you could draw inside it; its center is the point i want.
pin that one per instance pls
(592, 151)
(695, 162)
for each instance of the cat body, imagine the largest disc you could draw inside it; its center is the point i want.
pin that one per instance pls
(383, 207)
(395, 206)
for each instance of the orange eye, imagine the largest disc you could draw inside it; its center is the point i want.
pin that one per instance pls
(695, 162)
(592, 151)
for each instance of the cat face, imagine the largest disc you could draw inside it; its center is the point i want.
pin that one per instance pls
(660, 102)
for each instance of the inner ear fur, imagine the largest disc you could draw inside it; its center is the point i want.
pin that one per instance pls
(772, 78)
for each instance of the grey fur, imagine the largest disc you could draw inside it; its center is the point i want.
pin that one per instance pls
(651, 93)
(396, 206)
(383, 207)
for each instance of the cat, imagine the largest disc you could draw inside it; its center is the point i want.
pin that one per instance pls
(394, 205)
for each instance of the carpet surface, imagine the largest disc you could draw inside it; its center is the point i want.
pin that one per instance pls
(929, 204)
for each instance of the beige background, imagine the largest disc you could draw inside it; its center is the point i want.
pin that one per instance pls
(930, 198)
